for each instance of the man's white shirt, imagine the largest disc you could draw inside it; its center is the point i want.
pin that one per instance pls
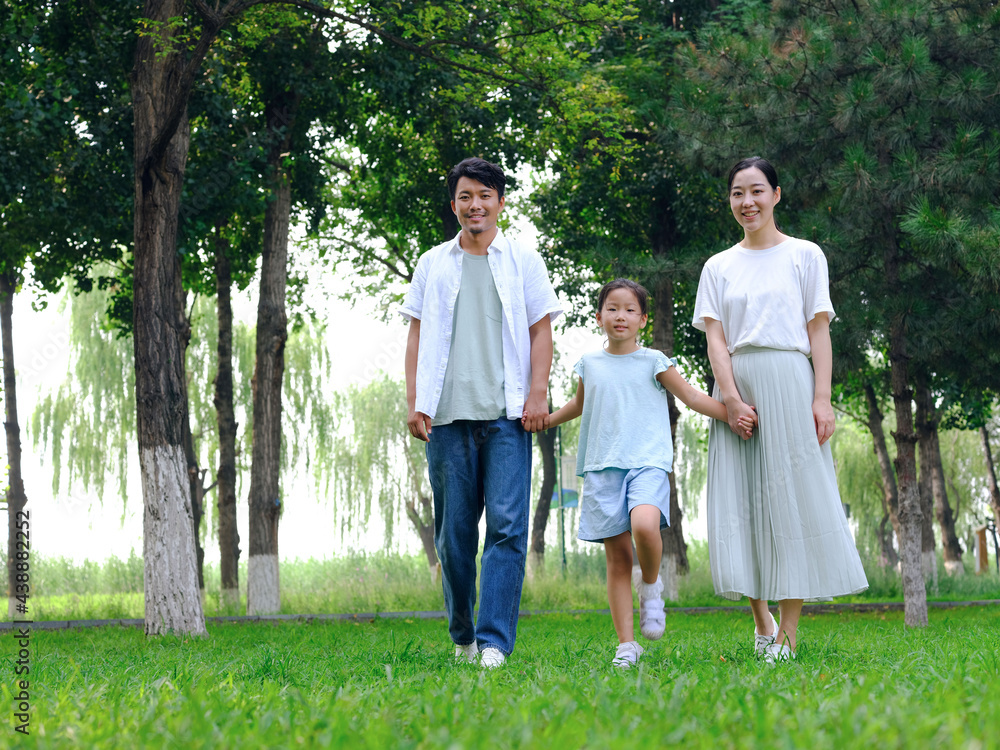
(526, 296)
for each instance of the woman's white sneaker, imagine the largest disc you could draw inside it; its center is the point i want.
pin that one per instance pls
(776, 652)
(761, 642)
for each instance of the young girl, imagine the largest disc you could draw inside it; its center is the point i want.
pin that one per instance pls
(625, 455)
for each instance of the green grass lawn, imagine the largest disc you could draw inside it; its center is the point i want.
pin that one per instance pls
(384, 582)
(861, 680)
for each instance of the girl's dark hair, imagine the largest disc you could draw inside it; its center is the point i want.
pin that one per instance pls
(479, 170)
(754, 161)
(637, 289)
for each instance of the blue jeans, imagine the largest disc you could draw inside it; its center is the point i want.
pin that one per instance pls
(475, 465)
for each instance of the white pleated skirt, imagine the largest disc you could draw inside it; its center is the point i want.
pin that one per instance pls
(776, 525)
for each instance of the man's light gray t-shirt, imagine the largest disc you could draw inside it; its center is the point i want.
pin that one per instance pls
(473, 381)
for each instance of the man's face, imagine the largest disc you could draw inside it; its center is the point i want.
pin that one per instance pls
(476, 206)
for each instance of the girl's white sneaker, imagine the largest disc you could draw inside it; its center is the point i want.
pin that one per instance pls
(652, 618)
(627, 654)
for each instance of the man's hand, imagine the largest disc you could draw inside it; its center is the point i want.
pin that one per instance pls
(536, 412)
(420, 425)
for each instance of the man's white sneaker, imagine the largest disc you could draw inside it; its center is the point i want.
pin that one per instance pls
(467, 652)
(627, 654)
(761, 642)
(652, 618)
(776, 652)
(492, 658)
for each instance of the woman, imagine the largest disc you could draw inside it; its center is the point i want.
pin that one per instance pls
(776, 526)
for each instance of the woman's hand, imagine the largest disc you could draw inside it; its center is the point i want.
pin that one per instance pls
(742, 417)
(825, 422)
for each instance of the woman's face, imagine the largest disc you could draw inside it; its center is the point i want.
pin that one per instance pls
(752, 200)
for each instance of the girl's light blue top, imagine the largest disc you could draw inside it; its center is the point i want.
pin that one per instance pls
(626, 420)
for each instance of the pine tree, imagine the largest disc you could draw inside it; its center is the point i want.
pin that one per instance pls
(883, 113)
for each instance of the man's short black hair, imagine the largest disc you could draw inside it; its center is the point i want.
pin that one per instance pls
(480, 170)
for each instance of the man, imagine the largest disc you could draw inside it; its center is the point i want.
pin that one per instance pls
(478, 356)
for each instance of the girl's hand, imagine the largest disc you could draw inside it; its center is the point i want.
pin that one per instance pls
(825, 422)
(746, 427)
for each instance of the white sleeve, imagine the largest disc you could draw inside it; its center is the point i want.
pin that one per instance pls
(539, 296)
(413, 302)
(816, 289)
(707, 303)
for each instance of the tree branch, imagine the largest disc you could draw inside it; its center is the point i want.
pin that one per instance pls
(422, 50)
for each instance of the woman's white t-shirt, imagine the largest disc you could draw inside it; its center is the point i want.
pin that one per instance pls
(765, 297)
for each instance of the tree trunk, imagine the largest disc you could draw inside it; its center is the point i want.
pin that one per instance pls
(675, 561)
(910, 513)
(951, 548)
(890, 496)
(991, 475)
(263, 588)
(887, 555)
(924, 486)
(536, 550)
(422, 519)
(195, 476)
(448, 220)
(229, 538)
(16, 498)
(422, 516)
(160, 330)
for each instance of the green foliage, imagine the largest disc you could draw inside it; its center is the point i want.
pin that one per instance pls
(875, 116)
(497, 83)
(393, 683)
(65, 145)
(860, 482)
(88, 425)
(691, 465)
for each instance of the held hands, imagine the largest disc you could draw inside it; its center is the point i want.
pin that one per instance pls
(536, 414)
(742, 418)
(420, 425)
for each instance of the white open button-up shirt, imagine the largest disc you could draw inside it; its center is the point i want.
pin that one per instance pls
(526, 295)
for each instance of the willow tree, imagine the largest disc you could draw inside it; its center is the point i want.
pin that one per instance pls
(87, 425)
(883, 113)
(376, 459)
(991, 474)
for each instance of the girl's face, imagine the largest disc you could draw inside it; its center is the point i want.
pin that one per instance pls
(752, 200)
(621, 317)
